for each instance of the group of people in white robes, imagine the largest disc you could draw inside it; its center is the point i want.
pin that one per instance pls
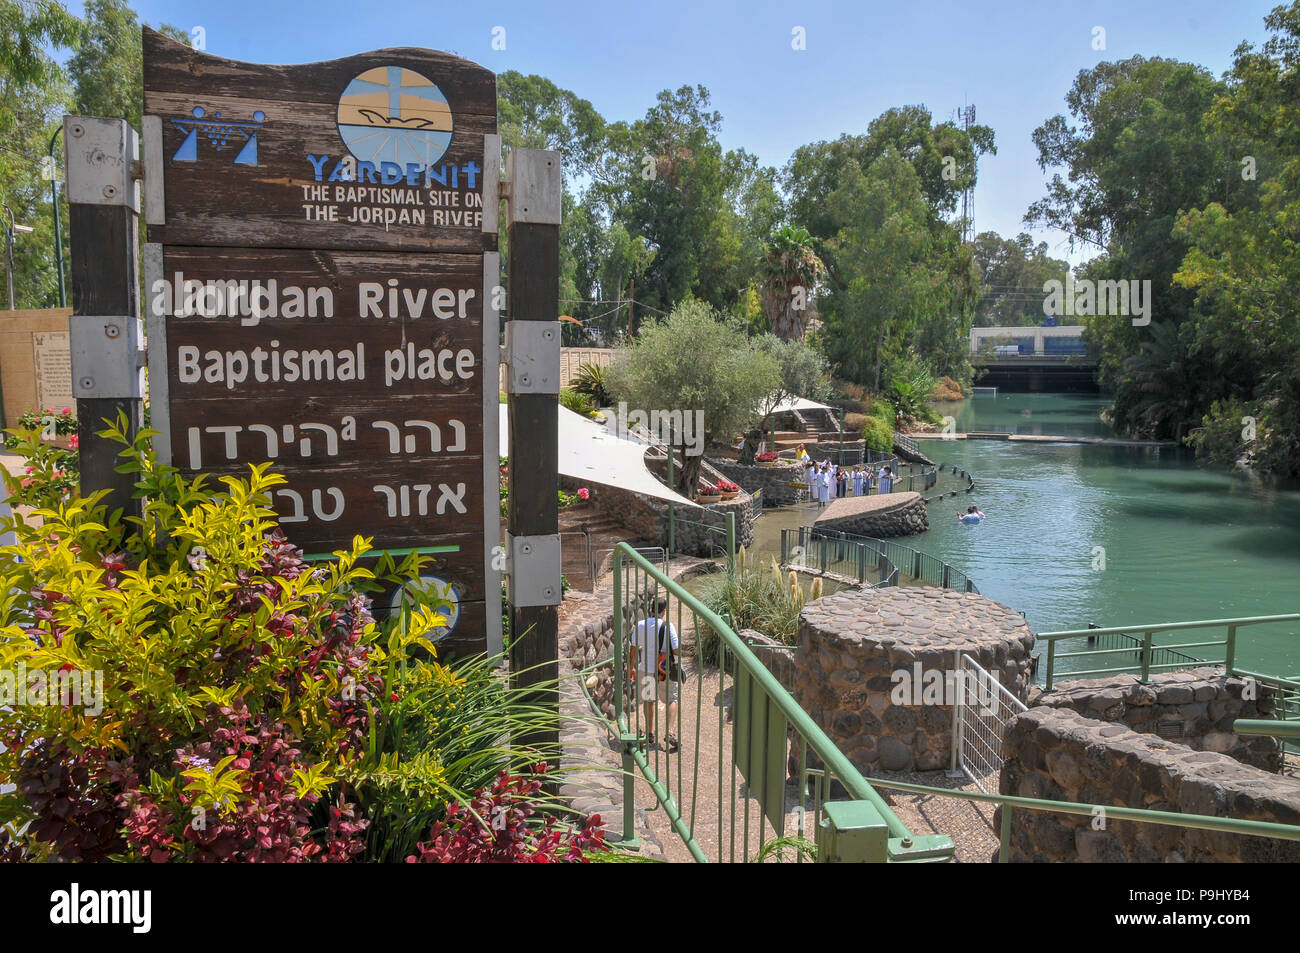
(827, 481)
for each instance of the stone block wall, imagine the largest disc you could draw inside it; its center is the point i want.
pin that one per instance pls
(1194, 708)
(773, 481)
(880, 517)
(646, 519)
(1058, 754)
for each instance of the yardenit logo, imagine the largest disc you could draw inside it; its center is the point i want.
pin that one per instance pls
(393, 114)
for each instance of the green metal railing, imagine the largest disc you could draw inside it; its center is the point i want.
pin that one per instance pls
(1145, 657)
(725, 792)
(1112, 812)
(875, 562)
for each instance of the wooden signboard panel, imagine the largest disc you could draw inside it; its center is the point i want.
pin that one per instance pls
(379, 150)
(318, 297)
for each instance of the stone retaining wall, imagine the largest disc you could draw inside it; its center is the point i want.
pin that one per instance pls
(773, 481)
(879, 516)
(1194, 708)
(647, 519)
(1058, 754)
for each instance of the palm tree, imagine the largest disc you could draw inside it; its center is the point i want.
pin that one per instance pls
(791, 270)
(1157, 393)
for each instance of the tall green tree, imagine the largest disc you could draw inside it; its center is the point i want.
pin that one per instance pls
(1012, 274)
(791, 271)
(1243, 261)
(801, 372)
(695, 361)
(671, 192)
(879, 207)
(1139, 154)
(33, 97)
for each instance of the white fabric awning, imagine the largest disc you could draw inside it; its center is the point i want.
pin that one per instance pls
(589, 451)
(798, 403)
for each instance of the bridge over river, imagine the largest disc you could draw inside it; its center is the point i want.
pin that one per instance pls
(1034, 359)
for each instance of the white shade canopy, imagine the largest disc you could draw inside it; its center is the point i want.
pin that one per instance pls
(591, 452)
(798, 403)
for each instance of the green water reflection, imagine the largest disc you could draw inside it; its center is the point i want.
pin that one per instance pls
(1179, 542)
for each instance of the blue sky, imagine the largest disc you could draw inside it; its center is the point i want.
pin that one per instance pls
(1014, 61)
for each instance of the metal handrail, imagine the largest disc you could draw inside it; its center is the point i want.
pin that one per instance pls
(1289, 730)
(902, 560)
(1204, 822)
(813, 737)
(1147, 648)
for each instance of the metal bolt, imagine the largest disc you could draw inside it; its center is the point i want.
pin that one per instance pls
(112, 330)
(906, 842)
(110, 191)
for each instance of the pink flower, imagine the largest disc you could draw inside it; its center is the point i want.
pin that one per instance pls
(67, 410)
(584, 493)
(28, 482)
(74, 441)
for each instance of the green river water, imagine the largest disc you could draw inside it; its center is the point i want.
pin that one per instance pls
(1181, 542)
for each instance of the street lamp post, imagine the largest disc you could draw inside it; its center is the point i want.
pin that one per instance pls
(11, 232)
(58, 232)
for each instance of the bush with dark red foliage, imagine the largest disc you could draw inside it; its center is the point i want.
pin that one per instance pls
(271, 821)
(495, 829)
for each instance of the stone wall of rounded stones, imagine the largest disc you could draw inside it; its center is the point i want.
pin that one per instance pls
(590, 639)
(852, 643)
(773, 481)
(905, 520)
(1194, 708)
(1058, 754)
(647, 519)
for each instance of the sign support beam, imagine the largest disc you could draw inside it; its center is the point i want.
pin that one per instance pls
(104, 204)
(534, 188)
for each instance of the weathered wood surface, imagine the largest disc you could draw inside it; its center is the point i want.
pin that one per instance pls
(383, 436)
(105, 282)
(212, 200)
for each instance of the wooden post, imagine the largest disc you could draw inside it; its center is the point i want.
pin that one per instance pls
(533, 272)
(103, 204)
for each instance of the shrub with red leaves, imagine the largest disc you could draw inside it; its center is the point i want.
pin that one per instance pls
(495, 830)
(270, 824)
(73, 800)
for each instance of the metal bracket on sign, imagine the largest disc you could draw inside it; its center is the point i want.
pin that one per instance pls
(103, 159)
(532, 353)
(533, 572)
(106, 356)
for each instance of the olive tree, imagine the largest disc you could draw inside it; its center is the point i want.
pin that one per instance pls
(693, 361)
(801, 373)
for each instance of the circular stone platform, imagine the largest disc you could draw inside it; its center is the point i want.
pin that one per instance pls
(877, 669)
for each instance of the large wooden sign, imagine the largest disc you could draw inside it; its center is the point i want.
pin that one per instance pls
(321, 281)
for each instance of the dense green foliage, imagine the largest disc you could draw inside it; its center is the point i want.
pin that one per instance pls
(192, 689)
(695, 361)
(899, 280)
(1013, 273)
(1193, 183)
(754, 597)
